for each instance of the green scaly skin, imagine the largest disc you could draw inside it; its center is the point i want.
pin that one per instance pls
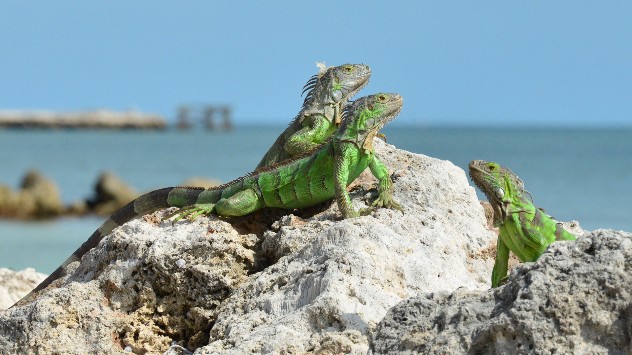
(303, 182)
(321, 114)
(523, 228)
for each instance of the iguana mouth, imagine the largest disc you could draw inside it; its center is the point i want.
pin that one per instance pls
(393, 114)
(390, 117)
(368, 141)
(360, 87)
(476, 174)
(477, 183)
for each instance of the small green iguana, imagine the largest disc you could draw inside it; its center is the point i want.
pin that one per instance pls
(523, 228)
(297, 183)
(320, 116)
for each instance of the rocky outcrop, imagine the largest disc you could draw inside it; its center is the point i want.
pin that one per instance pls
(38, 197)
(577, 298)
(269, 282)
(16, 284)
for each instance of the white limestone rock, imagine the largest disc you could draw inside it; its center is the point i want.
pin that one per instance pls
(16, 284)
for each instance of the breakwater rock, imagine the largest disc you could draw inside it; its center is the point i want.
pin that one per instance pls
(37, 197)
(577, 298)
(270, 282)
(110, 194)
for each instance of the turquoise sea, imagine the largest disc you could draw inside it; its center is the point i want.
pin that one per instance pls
(581, 174)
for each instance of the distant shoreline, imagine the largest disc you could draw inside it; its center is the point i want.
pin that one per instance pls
(99, 119)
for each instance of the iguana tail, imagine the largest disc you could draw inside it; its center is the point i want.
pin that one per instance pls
(147, 203)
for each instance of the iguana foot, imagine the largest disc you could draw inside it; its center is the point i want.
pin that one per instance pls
(365, 211)
(361, 212)
(386, 200)
(190, 212)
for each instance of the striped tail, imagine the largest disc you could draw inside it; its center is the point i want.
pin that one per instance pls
(147, 203)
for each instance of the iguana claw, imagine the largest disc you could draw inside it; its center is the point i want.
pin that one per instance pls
(190, 213)
(365, 211)
(386, 200)
(361, 212)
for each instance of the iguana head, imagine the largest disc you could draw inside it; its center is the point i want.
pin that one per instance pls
(501, 186)
(364, 117)
(332, 87)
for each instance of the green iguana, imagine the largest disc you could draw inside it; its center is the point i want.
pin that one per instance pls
(297, 183)
(320, 116)
(523, 228)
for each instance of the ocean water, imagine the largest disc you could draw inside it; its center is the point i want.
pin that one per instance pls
(580, 174)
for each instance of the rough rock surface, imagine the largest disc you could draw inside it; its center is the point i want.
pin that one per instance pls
(269, 282)
(576, 299)
(16, 284)
(38, 197)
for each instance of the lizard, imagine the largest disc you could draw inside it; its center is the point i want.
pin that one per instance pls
(300, 182)
(523, 228)
(320, 116)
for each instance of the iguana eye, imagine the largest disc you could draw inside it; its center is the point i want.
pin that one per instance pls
(500, 193)
(336, 95)
(348, 69)
(382, 97)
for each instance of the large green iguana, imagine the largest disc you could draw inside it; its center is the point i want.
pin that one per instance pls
(320, 116)
(523, 228)
(297, 183)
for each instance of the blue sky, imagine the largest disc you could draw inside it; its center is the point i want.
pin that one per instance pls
(505, 63)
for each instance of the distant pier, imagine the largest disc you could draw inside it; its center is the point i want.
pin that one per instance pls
(206, 115)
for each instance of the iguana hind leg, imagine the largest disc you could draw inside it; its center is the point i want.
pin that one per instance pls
(239, 204)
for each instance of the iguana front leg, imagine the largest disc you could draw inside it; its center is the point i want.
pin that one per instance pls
(534, 239)
(309, 137)
(341, 177)
(501, 265)
(385, 187)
